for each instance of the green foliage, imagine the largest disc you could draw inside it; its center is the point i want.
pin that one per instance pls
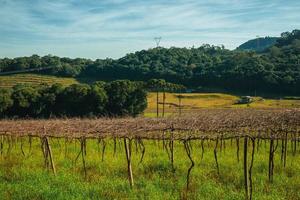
(97, 99)
(275, 70)
(125, 98)
(49, 100)
(5, 100)
(117, 98)
(74, 100)
(159, 85)
(258, 44)
(25, 100)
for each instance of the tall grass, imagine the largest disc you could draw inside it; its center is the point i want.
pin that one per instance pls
(24, 177)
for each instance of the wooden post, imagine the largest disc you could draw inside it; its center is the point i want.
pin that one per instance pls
(157, 101)
(282, 151)
(238, 149)
(30, 144)
(295, 146)
(1, 145)
(83, 153)
(172, 150)
(285, 149)
(164, 100)
(250, 168)
(44, 151)
(202, 148)
(50, 155)
(22, 150)
(103, 149)
(271, 160)
(115, 146)
(246, 184)
(128, 158)
(216, 156)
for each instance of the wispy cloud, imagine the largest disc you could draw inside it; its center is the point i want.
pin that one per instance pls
(111, 28)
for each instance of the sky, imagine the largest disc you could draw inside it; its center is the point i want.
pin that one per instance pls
(112, 28)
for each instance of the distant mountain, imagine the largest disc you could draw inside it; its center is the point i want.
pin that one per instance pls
(258, 44)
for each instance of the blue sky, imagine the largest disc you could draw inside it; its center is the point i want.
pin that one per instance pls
(112, 28)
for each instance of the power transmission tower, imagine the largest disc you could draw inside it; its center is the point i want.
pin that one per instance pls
(157, 41)
(257, 42)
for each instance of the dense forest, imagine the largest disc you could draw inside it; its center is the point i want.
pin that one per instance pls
(258, 44)
(116, 98)
(275, 70)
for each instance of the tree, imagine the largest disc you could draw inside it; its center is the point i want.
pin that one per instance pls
(97, 100)
(25, 100)
(207, 66)
(125, 98)
(75, 98)
(48, 101)
(5, 101)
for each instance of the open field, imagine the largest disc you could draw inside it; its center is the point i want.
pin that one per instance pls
(33, 79)
(191, 102)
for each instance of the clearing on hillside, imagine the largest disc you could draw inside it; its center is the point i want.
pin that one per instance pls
(33, 79)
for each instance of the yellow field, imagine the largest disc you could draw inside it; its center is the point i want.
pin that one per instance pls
(33, 79)
(194, 101)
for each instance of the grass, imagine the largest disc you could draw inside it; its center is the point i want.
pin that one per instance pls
(33, 79)
(193, 101)
(24, 177)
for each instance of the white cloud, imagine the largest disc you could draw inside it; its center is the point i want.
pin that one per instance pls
(114, 27)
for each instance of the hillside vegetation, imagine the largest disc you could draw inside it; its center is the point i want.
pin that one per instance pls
(258, 44)
(276, 70)
(116, 98)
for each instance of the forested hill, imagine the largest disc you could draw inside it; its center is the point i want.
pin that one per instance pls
(258, 44)
(276, 70)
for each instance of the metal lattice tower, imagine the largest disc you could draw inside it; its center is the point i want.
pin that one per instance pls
(257, 40)
(157, 41)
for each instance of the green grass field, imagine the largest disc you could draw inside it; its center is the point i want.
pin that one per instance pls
(33, 79)
(24, 176)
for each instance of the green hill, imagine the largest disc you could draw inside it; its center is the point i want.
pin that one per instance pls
(276, 70)
(258, 44)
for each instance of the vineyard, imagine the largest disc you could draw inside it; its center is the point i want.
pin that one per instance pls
(9, 81)
(249, 132)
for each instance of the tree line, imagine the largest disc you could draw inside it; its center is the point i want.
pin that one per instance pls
(117, 98)
(112, 99)
(275, 70)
